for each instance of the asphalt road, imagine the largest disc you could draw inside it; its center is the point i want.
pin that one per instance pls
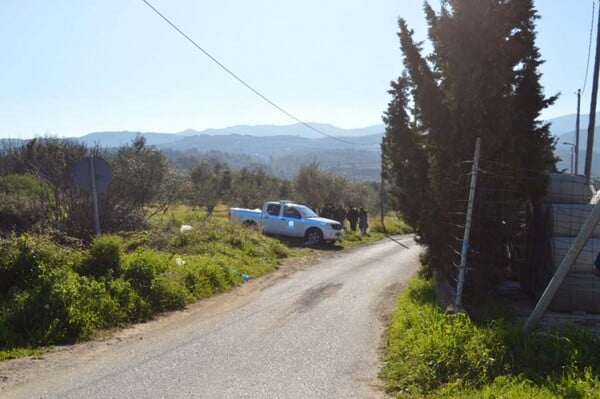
(308, 330)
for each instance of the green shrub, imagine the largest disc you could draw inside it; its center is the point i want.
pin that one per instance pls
(24, 258)
(217, 277)
(197, 284)
(236, 241)
(135, 240)
(131, 306)
(169, 292)
(142, 267)
(104, 257)
(59, 308)
(180, 240)
(22, 261)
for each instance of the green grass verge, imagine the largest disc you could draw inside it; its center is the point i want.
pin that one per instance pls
(15, 353)
(433, 354)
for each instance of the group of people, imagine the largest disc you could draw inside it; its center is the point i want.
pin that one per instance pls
(354, 216)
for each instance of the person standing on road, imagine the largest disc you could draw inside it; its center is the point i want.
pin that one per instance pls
(327, 211)
(340, 215)
(352, 217)
(363, 221)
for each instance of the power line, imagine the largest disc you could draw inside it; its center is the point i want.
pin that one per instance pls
(252, 89)
(587, 64)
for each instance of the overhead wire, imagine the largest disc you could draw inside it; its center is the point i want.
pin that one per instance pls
(248, 86)
(587, 64)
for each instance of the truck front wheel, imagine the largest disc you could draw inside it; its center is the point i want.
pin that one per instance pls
(314, 236)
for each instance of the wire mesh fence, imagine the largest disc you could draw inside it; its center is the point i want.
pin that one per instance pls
(525, 241)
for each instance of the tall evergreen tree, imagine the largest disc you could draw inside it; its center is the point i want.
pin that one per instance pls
(480, 80)
(403, 158)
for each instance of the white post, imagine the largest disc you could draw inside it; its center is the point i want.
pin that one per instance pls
(465, 242)
(94, 196)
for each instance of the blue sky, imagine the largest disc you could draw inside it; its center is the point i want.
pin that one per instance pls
(71, 67)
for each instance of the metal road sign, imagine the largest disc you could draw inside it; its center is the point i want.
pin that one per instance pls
(102, 172)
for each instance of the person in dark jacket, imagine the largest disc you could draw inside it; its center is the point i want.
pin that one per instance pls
(363, 221)
(352, 216)
(327, 211)
(340, 215)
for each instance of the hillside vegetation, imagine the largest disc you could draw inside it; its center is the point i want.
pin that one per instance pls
(56, 294)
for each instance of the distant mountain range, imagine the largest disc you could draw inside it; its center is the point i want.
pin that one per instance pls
(281, 149)
(297, 142)
(298, 131)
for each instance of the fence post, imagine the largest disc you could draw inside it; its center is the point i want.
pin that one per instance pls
(458, 305)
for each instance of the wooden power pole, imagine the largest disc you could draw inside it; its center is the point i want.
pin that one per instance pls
(577, 133)
(590, 139)
(462, 273)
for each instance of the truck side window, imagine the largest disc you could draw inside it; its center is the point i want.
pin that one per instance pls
(291, 212)
(273, 209)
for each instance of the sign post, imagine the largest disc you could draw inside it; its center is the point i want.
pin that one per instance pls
(94, 196)
(93, 174)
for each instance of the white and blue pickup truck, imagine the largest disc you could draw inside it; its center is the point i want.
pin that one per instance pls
(290, 219)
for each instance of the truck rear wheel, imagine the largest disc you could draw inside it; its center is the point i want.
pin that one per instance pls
(314, 236)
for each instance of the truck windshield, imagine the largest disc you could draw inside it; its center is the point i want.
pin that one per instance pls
(306, 211)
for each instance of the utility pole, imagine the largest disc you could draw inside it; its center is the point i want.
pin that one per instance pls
(590, 139)
(458, 303)
(577, 132)
(382, 201)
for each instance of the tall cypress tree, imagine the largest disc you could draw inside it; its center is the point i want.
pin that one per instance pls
(480, 80)
(404, 159)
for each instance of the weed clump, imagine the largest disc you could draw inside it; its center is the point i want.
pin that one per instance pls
(103, 257)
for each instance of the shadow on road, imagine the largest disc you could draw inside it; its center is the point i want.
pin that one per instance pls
(396, 241)
(301, 243)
